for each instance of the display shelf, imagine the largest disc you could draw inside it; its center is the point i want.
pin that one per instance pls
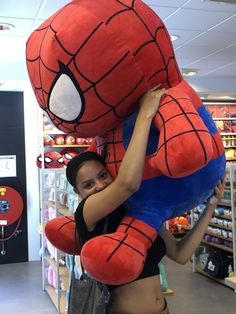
(62, 209)
(228, 134)
(226, 204)
(52, 140)
(62, 306)
(218, 246)
(225, 207)
(73, 146)
(63, 270)
(200, 271)
(52, 185)
(231, 282)
(217, 236)
(223, 216)
(223, 114)
(220, 226)
(224, 119)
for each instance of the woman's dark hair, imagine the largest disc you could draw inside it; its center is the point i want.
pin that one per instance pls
(75, 163)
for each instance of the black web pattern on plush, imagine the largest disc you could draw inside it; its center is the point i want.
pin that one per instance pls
(192, 129)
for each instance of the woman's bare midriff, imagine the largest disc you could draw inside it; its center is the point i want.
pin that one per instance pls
(143, 296)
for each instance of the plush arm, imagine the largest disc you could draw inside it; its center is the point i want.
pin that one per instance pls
(185, 144)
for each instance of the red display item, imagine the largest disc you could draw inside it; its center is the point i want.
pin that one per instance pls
(70, 140)
(51, 160)
(80, 141)
(59, 139)
(68, 154)
(48, 140)
(88, 140)
(11, 206)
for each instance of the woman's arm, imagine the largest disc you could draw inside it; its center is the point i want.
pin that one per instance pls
(181, 251)
(129, 177)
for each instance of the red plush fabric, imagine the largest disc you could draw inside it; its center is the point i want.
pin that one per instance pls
(61, 233)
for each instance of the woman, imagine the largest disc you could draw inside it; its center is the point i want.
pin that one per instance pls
(102, 199)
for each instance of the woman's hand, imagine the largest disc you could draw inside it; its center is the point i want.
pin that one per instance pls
(150, 101)
(218, 193)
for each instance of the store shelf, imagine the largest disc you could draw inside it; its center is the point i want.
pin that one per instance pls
(231, 282)
(62, 308)
(222, 247)
(223, 216)
(63, 270)
(217, 236)
(200, 271)
(61, 146)
(220, 226)
(224, 119)
(62, 209)
(226, 204)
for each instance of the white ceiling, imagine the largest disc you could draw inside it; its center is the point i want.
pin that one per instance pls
(207, 40)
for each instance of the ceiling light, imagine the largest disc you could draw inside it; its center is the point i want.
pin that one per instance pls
(189, 72)
(174, 37)
(6, 26)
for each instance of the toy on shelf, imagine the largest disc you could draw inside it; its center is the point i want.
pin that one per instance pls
(51, 160)
(48, 140)
(59, 139)
(68, 154)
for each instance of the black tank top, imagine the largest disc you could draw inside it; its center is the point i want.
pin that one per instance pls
(154, 254)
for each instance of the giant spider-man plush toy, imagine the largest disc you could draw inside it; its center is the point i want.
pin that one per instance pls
(88, 64)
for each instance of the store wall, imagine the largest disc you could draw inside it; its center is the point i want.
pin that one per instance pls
(13, 221)
(31, 132)
(32, 135)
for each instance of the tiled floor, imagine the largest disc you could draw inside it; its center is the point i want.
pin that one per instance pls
(197, 294)
(21, 291)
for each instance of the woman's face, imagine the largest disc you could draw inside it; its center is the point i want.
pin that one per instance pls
(91, 178)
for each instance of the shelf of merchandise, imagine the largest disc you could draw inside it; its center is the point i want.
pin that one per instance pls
(47, 128)
(223, 113)
(56, 293)
(62, 305)
(218, 246)
(50, 189)
(230, 205)
(200, 271)
(71, 146)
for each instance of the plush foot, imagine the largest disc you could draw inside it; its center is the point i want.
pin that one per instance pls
(118, 258)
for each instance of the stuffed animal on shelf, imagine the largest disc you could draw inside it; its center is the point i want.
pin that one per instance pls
(59, 139)
(89, 64)
(68, 154)
(70, 140)
(48, 140)
(51, 160)
(80, 141)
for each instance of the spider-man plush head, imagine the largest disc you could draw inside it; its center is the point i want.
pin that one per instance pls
(88, 64)
(51, 160)
(95, 60)
(68, 154)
